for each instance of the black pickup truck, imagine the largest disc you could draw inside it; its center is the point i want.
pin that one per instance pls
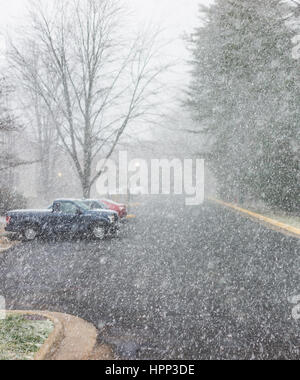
(63, 217)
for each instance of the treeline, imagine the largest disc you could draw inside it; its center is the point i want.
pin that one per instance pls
(245, 98)
(87, 81)
(7, 126)
(9, 199)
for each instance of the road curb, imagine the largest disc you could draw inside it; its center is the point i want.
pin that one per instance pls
(2, 250)
(72, 337)
(135, 204)
(271, 222)
(130, 216)
(7, 246)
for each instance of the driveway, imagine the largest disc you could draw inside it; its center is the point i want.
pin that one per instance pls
(179, 283)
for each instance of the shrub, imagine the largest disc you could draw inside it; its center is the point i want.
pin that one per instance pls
(10, 201)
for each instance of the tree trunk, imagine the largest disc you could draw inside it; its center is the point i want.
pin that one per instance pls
(86, 187)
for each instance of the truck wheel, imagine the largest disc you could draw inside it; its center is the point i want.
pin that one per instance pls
(116, 232)
(99, 232)
(30, 233)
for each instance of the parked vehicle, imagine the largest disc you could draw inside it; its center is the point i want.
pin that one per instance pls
(66, 216)
(95, 205)
(121, 209)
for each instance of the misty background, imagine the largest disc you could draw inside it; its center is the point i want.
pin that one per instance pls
(221, 83)
(174, 19)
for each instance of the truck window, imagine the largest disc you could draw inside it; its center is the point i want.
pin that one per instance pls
(96, 205)
(56, 207)
(68, 208)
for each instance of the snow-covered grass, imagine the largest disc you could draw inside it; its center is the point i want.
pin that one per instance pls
(2, 225)
(6, 240)
(293, 221)
(21, 338)
(281, 216)
(3, 240)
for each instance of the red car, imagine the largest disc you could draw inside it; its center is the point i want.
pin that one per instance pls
(120, 208)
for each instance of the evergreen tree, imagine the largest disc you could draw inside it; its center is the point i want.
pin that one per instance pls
(244, 94)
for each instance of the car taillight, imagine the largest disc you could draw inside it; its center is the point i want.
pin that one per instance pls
(8, 218)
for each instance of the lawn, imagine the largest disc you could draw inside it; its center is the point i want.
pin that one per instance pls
(290, 220)
(3, 241)
(281, 216)
(21, 337)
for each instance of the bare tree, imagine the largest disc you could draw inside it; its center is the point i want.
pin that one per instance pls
(40, 127)
(94, 79)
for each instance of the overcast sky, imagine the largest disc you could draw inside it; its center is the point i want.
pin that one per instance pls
(180, 14)
(176, 16)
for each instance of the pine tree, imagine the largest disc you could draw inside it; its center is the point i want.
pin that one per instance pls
(244, 94)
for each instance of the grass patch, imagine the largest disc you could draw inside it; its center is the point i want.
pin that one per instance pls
(293, 221)
(4, 244)
(21, 338)
(280, 216)
(3, 240)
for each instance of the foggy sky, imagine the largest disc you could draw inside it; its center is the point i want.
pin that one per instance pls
(175, 16)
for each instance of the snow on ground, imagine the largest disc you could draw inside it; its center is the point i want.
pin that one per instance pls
(178, 283)
(281, 216)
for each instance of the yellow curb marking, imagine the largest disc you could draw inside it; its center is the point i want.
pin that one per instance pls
(134, 204)
(283, 226)
(130, 217)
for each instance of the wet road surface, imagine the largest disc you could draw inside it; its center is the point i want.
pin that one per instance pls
(179, 283)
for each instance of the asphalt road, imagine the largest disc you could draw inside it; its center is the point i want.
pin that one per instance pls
(179, 283)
